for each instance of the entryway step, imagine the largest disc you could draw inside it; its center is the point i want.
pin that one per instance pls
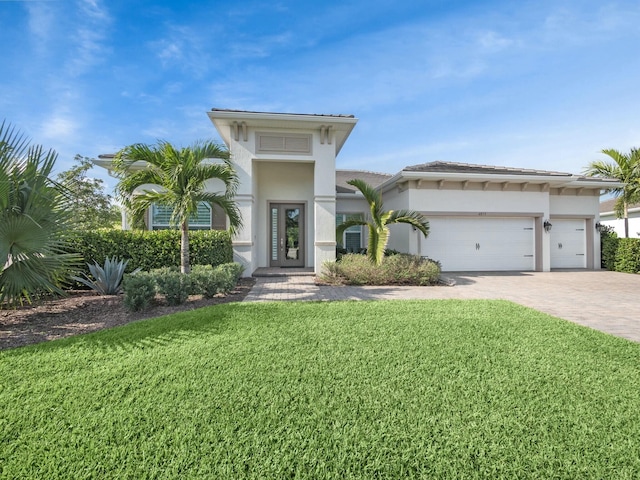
(283, 272)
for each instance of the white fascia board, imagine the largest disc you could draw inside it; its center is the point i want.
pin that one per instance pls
(342, 125)
(604, 184)
(556, 181)
(265, 119)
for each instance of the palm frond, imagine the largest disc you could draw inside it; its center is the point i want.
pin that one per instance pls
(354, 222)
(372, 196)
(183, 175)
(411, 217)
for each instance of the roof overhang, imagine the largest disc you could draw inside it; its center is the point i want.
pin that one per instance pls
(340, 125)
(556, 181)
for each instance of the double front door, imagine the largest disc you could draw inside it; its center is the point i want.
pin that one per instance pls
(286, 234)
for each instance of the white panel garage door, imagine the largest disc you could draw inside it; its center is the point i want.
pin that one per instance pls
(568, 243)
(481, 244)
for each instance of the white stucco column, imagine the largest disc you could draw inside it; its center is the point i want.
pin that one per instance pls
(324, 202)
(243, 241)
(325, 230)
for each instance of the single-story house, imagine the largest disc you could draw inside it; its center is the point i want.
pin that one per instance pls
(608, 217)
(482, 218)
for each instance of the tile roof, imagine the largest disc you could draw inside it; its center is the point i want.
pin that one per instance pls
(610, 205)
(454, 167)
(282, 113)
(372, 178)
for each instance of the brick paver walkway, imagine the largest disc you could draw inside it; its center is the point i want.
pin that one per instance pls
(606, 301)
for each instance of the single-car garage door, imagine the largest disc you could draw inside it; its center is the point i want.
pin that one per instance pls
(568, 243)
(481, 243)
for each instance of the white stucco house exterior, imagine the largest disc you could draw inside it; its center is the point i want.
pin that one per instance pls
(482, 218)
(608, 217)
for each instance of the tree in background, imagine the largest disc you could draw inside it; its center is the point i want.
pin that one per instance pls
(34, 216)
(182, 175)
(626, 168)
(379, 219)
(92, 207)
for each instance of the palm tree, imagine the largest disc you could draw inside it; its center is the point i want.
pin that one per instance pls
(626, 168)
(379, 220)
(182, 176)
(33, 219)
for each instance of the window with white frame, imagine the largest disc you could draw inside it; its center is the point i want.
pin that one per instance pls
(352, 237)
(161, 217)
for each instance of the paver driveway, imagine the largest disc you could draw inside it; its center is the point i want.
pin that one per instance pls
(607, 301)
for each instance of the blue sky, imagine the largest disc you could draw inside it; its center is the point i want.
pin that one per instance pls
(538, 84)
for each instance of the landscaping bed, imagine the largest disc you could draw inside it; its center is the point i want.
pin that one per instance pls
(83, 311)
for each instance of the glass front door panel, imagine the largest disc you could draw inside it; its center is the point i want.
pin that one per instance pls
(292, 233)
(286, 235)
(274, 234)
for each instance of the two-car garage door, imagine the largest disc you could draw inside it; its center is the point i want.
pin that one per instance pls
(481, 243)
(502, 243)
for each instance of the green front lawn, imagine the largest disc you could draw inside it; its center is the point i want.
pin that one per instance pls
(431, 389)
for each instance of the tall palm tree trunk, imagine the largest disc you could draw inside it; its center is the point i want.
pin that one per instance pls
(625, 206)
(184, 248)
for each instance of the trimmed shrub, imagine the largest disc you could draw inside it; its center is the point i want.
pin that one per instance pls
(206, 280)
(234, 269)
(608, 248)
(398, 269)
(139, 291)
(229, 274)
(175, 286)
(152, 249)
(628, 255)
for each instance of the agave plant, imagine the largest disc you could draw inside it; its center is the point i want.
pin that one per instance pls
(106, 280)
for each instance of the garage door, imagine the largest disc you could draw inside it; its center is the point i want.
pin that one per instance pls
(568, 243)
(481, 244)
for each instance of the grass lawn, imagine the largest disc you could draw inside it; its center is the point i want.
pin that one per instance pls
(407, 389)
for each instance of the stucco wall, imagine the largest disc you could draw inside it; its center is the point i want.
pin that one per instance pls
(476, 201)
(618, 224)
(579, 205)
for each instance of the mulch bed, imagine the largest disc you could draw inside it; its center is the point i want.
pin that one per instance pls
(84, 311)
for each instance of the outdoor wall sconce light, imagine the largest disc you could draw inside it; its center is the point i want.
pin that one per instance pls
(599, 227)
(547, 225)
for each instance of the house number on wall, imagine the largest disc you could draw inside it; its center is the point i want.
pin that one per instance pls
(482, 214)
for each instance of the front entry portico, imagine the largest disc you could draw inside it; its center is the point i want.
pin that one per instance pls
(286, 167)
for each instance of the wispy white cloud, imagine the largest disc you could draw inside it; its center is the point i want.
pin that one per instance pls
(90, 35)
(185, 48)
(41, 23)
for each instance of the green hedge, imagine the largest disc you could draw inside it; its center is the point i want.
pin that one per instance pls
(152, 249)
(621, 254)
(608, 247)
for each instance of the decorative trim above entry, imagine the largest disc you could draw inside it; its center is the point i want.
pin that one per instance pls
(288, 143)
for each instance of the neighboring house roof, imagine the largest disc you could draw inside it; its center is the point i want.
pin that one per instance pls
(372, 178)
(608, 206)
